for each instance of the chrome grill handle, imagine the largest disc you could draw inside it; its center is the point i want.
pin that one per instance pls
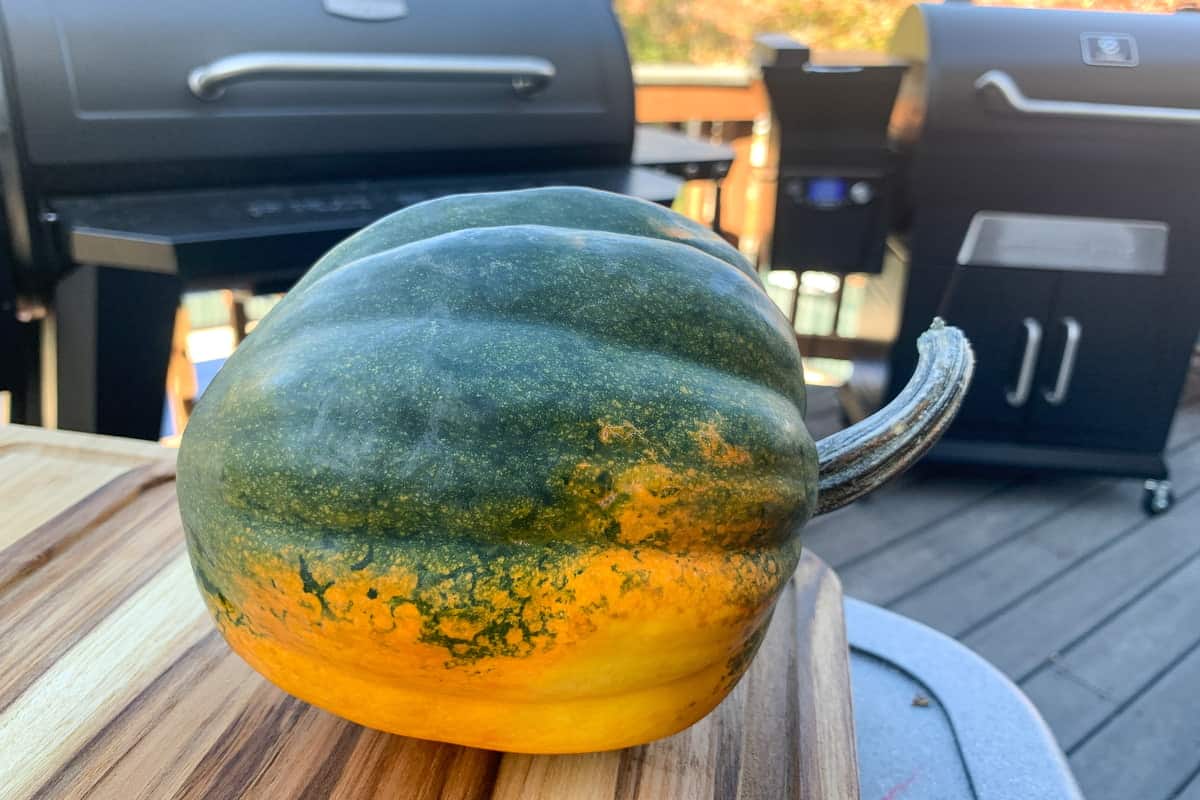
(526, 74)
(1033, 342)
(1066, 368)
(1002, 85)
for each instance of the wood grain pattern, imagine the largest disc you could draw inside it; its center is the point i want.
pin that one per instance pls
(114, 683)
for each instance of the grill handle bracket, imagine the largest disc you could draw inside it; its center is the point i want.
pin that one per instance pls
(1002, 85)
(526, 74)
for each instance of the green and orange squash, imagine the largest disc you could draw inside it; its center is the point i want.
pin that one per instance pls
(522, 471)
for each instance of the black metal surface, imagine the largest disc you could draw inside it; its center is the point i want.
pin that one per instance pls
(1073, 458)
(680, 154)
(994, 304)
(829, 130)
(18, 349)
(238, 235)
(113, 337)
(969, 154)
(22, 242)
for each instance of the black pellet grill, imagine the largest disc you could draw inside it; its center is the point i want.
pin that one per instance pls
(1051, 184)
(148, 147)
(829, 140)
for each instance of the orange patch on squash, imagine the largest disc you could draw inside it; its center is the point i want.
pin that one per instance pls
(618, 432)
(714, 448)
(612, 624)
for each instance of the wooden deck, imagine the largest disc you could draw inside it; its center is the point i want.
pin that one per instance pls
(1091, 607)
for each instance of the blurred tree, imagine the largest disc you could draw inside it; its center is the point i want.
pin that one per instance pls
(722, 31)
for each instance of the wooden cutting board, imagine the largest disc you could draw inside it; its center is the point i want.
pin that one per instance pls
(115, 684)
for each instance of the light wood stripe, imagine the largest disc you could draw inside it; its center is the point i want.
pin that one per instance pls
(200, 694)
(47, 614)
(93, 681)
(38, 546)
(43, 472)
(592, 776)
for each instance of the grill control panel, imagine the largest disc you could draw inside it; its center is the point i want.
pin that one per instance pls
(830, 222)
(827, 192)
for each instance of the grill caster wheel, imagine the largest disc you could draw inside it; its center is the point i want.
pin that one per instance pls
(1157, 497)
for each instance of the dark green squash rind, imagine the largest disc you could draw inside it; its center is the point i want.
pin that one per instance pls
(429, 407)
(556, 206)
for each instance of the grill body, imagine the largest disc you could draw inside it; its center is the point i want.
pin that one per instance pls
(1053, 160)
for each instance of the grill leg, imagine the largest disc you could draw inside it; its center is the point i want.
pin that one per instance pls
(112, 343)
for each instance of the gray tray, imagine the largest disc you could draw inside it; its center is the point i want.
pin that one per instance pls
(934, 720)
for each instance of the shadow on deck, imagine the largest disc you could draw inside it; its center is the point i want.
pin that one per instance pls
(1063, 583)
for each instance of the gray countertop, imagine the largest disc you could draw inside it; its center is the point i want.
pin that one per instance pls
(936, 721)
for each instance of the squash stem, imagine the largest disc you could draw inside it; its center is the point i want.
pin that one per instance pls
(861, 458)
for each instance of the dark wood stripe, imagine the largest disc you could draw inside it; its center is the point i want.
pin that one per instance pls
(471, 776)
(629, 774)
(770, 699)
(730, 720)
(105, 751)
(37, 548)
(247, 746)
(798, 712)
(323, 782)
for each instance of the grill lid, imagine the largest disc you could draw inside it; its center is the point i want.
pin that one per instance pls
(126, 82)
(982, 72)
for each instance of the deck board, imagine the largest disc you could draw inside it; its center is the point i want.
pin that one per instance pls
(996, 580)
(1087, 683)
(1065, 609)
(1064, 584)
(1192, 790)
(1149, 748)
(889, 574)
(895, 512)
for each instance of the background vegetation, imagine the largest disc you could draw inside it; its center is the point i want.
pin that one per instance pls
(721, 31)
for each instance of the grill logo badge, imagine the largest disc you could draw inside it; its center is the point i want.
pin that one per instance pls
(1109, 49)
(367, 10)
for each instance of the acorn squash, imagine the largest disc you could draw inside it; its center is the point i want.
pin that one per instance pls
(522, 471)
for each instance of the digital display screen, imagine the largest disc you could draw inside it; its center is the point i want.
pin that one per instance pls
(825, 191)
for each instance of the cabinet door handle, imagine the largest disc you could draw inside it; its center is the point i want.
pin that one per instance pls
(1066, 368)
(1033, 342)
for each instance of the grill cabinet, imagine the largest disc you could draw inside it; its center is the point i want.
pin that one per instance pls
(226, 143)
(1053, 171)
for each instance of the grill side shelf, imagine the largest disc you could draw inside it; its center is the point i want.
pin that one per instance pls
(210, 234)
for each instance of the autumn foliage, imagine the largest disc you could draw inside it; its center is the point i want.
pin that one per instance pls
(721, 31)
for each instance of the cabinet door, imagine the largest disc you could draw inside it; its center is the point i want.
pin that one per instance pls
(1115, 395)
(1003, 313)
